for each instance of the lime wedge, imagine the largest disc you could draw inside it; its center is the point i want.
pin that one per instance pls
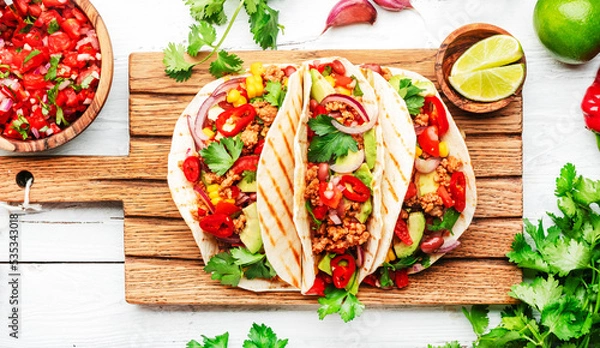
(490, 84)
(497, 50)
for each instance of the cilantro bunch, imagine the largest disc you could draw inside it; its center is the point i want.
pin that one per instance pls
(264, 25)
(560, 305)
(260, 336)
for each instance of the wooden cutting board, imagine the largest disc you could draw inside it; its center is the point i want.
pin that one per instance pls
(162, 262)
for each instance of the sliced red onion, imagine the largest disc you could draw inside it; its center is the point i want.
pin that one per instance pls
(35, 132)
(227, 85)
(66, 83)
(242, 198)
(355, 129)
(417, 267)
(1, 42)
(323, 171)
(234, 239)
(334, 217)
(196, 124)
(447, 247)
(6, 104)
(328, 194)
(425, 166)
(353, 103)
(350, 163)
(360, 256)
(205, 198)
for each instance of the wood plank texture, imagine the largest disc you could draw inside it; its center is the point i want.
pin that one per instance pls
(163, 265)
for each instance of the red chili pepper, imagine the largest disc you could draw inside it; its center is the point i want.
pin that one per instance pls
(445, 196)
(330, 196)
(249, 163)
(219, 225)
(342, 270)
(437, 114)
(458, 190)
(401, 278)
(590, 106)
(191, 168)
(355, 190)
(232, 121)
(401, 231)
(429, 141)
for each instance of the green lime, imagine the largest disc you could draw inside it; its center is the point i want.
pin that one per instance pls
(570, 29)
(490, 84)
(494, 51)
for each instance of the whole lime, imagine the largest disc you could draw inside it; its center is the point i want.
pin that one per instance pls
(570, 29)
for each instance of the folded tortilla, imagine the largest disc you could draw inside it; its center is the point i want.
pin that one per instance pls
(274, 201)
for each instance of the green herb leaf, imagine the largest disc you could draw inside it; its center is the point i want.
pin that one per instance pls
(339, 301)
(225, 64)
(224, 269)
(243, 256)
(249, 176)
(274, 93)
(446, 223)
(262, 269)
(539, 293)
(207, 10)
(322, 125)
(478, 317)
(51, 74)
(262, 336)
(331, 146)
(411, 95)
(200, 35)
(567, 318)
(176, 66)
(53, 26)
(31, 55)
(221, 341)
(220, 156)
(264, 25)
(453, 344)
(356, 91)
(312, 214)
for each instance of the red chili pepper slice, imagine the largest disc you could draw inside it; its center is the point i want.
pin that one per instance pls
(191, 168)
(245, 163)
(259, 147)
(355, 190)
(219, 225)
(458, 190)
(401, 231)
(429, 141)
(590, 105)
(226, 208)
(401, 278)
(329, 194)
(445, 196)
(342, 270)
(232, 121)
(437, 114)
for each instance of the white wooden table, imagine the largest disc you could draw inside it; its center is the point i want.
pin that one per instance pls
(71, 291)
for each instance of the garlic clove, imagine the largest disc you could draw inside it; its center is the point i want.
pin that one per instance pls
(394, 5)
(347, 12)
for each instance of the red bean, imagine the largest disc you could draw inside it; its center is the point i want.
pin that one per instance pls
(313, 105)
(338, 67)
(431, 244)
(289, 70)
(323, 172)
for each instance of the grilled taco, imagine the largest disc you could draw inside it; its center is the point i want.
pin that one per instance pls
(221, 144)
(339, 164)
(441, 197)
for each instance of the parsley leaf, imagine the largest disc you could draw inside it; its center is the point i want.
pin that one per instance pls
(262, 336)
(262, 270)
(200, 35)
(410, 93)
(230, 267)
(224, 269)
(221, 341)
(446, 223)
(340, 301)
(220, 156)
(176, 66)
(244, 257)
(329, 142)
(225, 63)
(51, 74)
(478, 317)
(264, 25)
(274, 93)
(322, 125)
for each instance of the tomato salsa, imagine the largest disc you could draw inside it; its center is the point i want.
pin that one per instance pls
(49, 67)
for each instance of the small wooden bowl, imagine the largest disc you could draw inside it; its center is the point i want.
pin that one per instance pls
(453, 47)
(79, 125)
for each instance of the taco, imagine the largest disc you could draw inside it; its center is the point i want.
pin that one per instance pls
(220, 142)
(339, 165)
(440, 201)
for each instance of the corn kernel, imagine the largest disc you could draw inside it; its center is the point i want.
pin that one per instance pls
(251, 90)
(344, 91)
(444, 151)
(229, 200)
(257, 68)
(285, 81)
(212, 188)
(241, 101)
(233, 95)
(215, 201)
(208, 132)
(214, 195)
(418, 152)
(391, 256)
(331, 80)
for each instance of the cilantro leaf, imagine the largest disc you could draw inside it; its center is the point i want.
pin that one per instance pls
(31, 55)
(478, 317)
(356, 91)
(410, 93)
(249, 176)
(329, 143)
(447, 222)
(200, 35)
(539, 293)
(225, 63)
(261, 269)
(564, 183)
(274, 93)
(264, 25)
(262, 336)
(322, 125)
(175, 64)
(567, 255)
(207, 10)
(567, 318)
(220, 156)
(339, 301)
(252, 6)
(244, 257)
(221, 341)
(224, 269)
(524, 256)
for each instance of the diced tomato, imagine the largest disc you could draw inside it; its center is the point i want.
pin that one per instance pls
(54, 3)
(32, 59)
(87, 72)
(411, 191)
(259, 147)
(321, 282)
(342, 80)
(329, 194)
(35, 10)
(320, 211)
(245, 163)
(70, 59)
(38, 121)
(219, 225)
(21, 6)
(227, 208)
(72, 27)
(445, 196)
(34, 38)
(79, 16)
(59, 42)
(401, 278)
(34, 81)
(46, 17)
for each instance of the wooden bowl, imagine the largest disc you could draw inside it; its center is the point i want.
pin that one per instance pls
(79, 125)
(453, 47)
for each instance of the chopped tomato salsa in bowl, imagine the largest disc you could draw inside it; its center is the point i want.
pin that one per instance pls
(56, 68)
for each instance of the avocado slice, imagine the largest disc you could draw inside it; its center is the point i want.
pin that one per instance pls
(416, 227)
(365, 211)
(325, 263)
(346, 164)
(370, 148)
(364, 174)
(250, 236)
(320, 87)
(246, 186)
(426, 183)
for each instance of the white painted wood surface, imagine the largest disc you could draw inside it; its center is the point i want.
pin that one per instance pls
(72, 283)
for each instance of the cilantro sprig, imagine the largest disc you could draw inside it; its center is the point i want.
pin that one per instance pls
(340, 301)
(411, 95)
(560, 305)
(229, 267)
(220, 156)
(260, 336)
(328, 143)
(264, 25)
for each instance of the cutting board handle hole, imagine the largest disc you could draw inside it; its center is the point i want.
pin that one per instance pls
(24, 176)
